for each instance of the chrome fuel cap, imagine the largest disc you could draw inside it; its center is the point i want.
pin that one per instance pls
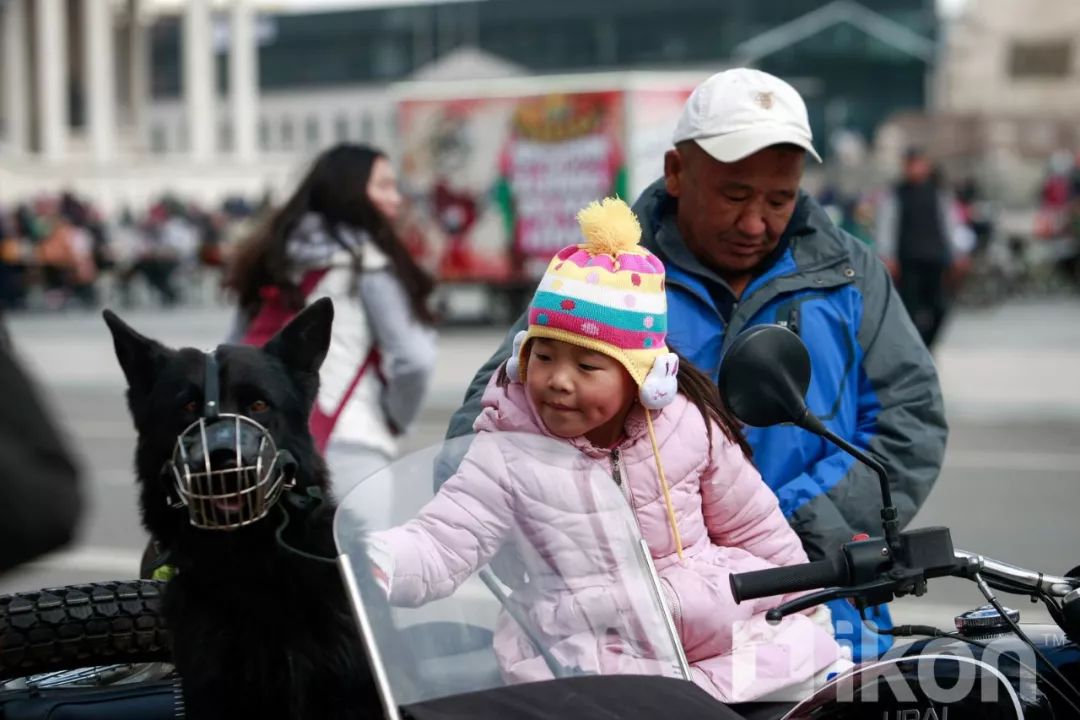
(985, 620)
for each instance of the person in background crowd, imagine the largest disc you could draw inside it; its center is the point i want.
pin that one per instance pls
(915, 229)
(335, 237)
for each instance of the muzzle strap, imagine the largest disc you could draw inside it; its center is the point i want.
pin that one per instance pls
(211, 388)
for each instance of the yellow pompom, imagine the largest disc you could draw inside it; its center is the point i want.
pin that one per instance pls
(609, 227)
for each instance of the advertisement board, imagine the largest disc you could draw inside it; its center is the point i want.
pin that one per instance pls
(495, 178)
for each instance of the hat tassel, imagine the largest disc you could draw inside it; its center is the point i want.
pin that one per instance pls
(664, 486)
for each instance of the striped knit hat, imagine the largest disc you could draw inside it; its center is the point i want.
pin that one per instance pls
(607, 294)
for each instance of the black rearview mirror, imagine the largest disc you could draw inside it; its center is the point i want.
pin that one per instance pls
(763, 380)
(764, 377)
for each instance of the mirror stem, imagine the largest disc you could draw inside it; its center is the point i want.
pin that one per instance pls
(889, 516)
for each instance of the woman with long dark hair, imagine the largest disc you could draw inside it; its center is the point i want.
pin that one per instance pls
(334, 238)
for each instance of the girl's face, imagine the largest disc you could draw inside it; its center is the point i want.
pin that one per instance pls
(382, 189)
(578, 391)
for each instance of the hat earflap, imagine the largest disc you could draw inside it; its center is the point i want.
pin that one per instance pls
(513, 363)
(662, 383)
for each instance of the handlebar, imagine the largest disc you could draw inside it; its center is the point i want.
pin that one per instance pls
(1052, 585)
(789, 579)
(926, 553)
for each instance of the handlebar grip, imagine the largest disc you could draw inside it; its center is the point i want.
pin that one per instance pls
(789, 579)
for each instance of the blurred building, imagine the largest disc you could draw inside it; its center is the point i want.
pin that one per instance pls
(1007, 96)
(212, 96)
(838, 53)
(1009, 58)
(76, 98)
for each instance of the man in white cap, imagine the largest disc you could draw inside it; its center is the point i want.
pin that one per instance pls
(743, 246)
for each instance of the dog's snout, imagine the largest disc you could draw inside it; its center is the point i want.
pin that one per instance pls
(228, 471)
(224, 460)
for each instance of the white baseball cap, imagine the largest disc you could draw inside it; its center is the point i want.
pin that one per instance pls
(737, 112)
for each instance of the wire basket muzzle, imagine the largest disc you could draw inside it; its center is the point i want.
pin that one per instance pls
(228, 472)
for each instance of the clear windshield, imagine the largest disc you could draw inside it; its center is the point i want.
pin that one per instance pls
(526, 564)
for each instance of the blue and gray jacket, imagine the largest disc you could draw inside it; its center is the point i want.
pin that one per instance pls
(874, 383)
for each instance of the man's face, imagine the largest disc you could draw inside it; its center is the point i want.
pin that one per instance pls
(731, 215)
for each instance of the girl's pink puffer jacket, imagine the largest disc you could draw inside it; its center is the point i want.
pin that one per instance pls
(728, 519)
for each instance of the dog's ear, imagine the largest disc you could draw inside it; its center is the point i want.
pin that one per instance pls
(303, 342)
(140, 357)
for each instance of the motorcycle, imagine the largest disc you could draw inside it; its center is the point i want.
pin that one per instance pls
(100, 651)
(989, 667)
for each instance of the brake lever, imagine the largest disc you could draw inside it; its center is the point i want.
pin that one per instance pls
(805, 602)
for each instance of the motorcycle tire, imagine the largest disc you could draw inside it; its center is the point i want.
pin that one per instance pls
(106, 623)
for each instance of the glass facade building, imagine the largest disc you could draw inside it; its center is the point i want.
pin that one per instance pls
(850, 76)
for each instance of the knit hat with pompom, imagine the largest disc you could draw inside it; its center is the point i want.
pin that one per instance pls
(607, 294)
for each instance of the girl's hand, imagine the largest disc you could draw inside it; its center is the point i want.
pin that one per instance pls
(382, 562)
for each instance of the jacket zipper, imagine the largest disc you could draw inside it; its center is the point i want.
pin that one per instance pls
(673, 604)
(616, 475)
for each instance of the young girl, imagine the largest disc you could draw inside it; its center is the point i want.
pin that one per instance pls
(593, 371)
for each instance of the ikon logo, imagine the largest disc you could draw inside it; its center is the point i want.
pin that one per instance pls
(929, 713)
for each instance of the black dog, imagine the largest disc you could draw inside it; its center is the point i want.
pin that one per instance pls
(259, 631)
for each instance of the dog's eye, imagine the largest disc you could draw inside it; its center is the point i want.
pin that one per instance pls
(191, 407)
(258, 406)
